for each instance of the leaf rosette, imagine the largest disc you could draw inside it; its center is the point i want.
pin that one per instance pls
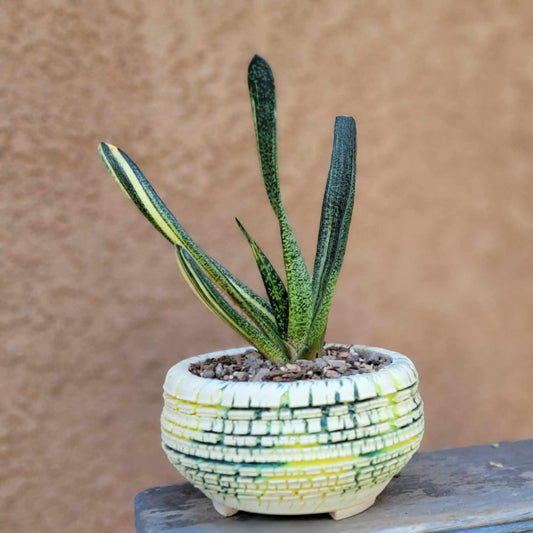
(292, 323)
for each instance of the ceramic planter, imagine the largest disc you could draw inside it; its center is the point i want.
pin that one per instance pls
(317, 446)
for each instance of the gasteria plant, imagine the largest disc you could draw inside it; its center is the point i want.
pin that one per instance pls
(292, 323)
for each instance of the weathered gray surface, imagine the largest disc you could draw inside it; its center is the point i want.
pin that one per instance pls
(448, 490)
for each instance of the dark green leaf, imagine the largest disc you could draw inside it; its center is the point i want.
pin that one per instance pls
(271, 347)
(274, 286)
(337, 210)
(262, 94)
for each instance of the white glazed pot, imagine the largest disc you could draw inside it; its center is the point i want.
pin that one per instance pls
(302, 447)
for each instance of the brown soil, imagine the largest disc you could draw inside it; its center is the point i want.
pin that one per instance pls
(252, 366)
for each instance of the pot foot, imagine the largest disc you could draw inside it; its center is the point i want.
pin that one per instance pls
(224, 510)
(351, 511)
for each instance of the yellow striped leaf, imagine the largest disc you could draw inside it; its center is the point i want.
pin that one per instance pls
(271, 347)
(136, 186)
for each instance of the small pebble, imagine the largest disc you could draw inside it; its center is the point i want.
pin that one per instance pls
(252, 366)
(339, 365)
(372, 357)
(261, 373)
(292, 367)
(253, 356)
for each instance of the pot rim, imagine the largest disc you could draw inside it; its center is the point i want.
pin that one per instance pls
(181, 384)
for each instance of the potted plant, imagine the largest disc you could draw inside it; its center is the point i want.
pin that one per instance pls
(289, 425)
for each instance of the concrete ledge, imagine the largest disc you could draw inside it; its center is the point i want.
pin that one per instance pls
(480, 489)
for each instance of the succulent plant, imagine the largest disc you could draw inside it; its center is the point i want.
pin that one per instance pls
(292, 323)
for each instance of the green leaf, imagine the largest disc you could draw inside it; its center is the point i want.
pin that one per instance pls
(275, 288)
(263, 98)
(136, 186)
(335, 221)
(213, 299)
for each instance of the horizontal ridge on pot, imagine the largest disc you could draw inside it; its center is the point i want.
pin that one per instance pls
(293, 447)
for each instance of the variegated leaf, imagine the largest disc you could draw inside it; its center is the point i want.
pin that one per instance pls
(271, 347)
(274, 286)
(263, 98)
(136, 186)
(335, 221)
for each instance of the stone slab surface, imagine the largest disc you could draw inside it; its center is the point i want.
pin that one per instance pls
(480, 489)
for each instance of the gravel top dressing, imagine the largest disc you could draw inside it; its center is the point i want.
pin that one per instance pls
(252, 366)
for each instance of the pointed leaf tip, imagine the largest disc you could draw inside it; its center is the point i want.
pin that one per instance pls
(106, 149)
(347, 120)
(101, 147)
(105, 145)
(260, 69)
(258, 60)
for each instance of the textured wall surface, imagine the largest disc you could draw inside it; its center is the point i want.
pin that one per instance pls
(94, 310)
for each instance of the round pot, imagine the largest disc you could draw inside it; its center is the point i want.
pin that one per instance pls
(303, 447)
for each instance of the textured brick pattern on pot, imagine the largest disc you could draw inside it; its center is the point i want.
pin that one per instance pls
(290, 448)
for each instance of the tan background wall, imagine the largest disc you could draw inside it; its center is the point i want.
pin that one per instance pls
(94, 310)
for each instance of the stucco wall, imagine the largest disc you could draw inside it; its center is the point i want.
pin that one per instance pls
(94, 310)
